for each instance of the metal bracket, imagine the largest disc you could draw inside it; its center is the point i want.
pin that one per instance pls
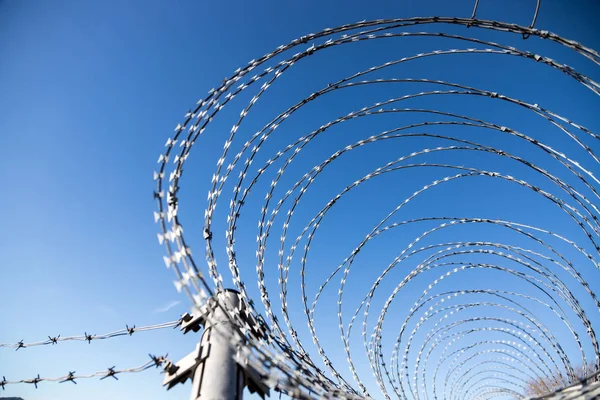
(184, 368)
(188, 366)
(194, 321)
(254, 382)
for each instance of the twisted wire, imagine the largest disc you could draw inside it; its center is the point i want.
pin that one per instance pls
(155, 361)
(128, 331)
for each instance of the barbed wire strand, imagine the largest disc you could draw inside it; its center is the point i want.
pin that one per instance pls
(155, 361)
(127, 331)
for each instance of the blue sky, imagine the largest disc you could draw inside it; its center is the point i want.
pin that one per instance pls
(90, 91)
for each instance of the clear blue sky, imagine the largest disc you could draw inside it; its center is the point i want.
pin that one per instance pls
(90, 91)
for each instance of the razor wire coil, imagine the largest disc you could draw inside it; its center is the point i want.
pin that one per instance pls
(530, 349)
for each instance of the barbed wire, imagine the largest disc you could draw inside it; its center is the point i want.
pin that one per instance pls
(128, 331)
(112, 372)
(444, 321)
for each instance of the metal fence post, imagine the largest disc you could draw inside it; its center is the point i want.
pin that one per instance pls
(218, 376)
(215, 373)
